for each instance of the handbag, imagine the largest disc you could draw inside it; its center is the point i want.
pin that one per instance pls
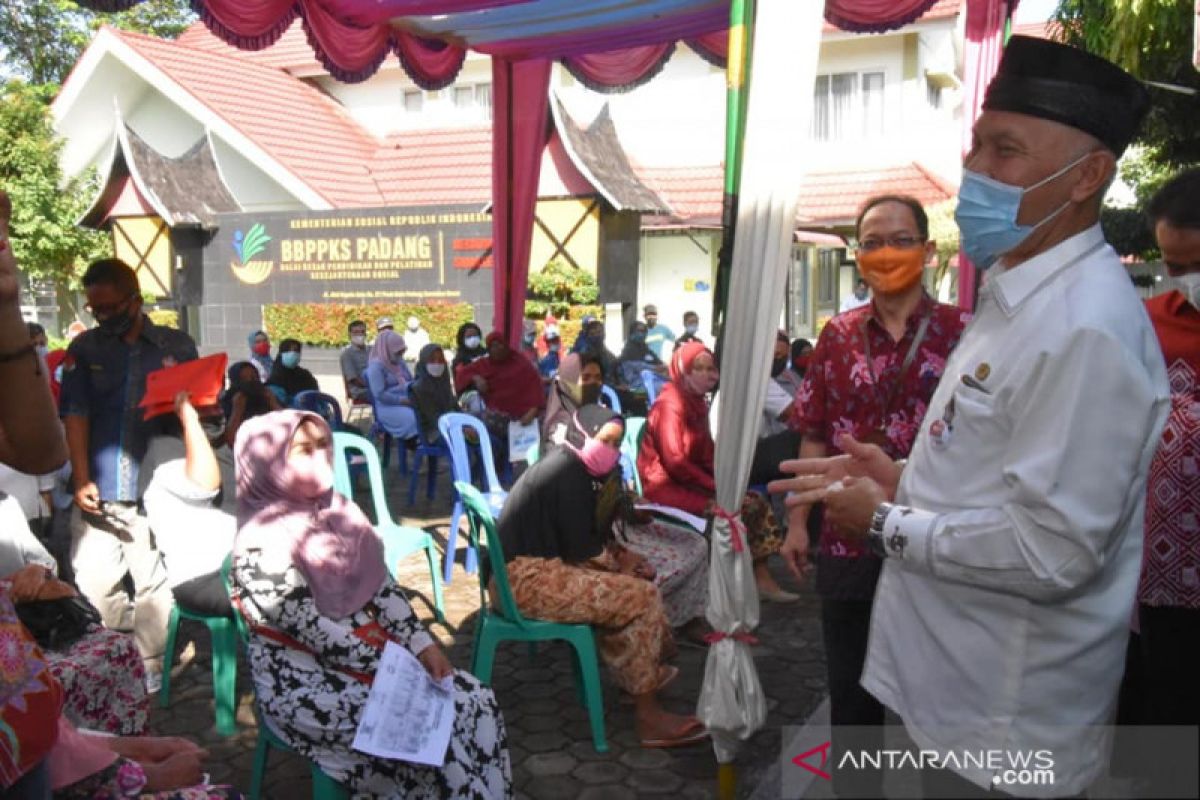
(57, 624)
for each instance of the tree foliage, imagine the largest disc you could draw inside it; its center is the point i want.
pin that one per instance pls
(42, 39)
(1152, 39)
(45, 240)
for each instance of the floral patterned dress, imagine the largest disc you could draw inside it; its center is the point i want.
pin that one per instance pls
(104, 681)
(312, 702)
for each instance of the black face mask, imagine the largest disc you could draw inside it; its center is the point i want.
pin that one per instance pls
(778, 366)
(591, 393)
(117, 325)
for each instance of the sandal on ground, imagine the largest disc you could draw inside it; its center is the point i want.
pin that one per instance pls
(693, 733)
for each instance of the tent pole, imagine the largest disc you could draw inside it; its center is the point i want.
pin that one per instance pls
(737, 78)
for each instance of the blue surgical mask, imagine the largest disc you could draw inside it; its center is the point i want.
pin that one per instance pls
(691, 329)
(987, 215)
(472, 341)
(289, 359)
(637, 337)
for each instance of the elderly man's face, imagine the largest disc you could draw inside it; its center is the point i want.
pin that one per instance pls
(1021, 150)
(1180, 248)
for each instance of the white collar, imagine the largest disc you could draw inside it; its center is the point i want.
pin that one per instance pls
(1011, 287)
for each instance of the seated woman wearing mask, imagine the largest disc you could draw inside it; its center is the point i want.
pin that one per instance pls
(246, 397)
(468, 347)
(431, 392)
(388, 379)
(577, 384)
(564, 565)
(635, 357)
(309, 579)
(288, 378)
(676, 459)
(509, 385)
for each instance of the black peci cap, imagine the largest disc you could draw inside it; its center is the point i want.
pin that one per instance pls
(1054, 81)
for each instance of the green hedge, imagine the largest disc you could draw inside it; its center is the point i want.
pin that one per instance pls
(167, 317)
(324, 325)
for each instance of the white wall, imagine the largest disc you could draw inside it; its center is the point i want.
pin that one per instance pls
(162, 125)
(378, 103)
(251, 187)
(669, 262)
(87, 132)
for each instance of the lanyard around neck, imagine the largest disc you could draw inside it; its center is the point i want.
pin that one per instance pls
(887, 399)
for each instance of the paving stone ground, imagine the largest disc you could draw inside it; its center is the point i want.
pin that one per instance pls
(549, 738)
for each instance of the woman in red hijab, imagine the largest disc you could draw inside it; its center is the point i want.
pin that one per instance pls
(510, 385)
(677, 453)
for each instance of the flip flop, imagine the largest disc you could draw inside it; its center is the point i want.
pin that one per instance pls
(694, 733)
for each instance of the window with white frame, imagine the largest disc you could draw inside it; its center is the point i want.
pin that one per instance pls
(847, 105)
(473, 99)
(413, 100)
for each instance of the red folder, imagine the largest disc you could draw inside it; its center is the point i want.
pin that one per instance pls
(202, 379)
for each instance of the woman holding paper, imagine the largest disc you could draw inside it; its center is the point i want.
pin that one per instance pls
(309, 579)
(510, 386)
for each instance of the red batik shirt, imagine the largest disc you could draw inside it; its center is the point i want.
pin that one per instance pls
(1171, 560)
(840, 395)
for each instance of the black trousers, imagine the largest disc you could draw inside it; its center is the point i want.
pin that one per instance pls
(1170, 664)
(845, 625)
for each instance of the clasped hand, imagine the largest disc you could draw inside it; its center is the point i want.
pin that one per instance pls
(851, 485)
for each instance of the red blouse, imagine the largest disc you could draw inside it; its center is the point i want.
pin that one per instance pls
(676, 457)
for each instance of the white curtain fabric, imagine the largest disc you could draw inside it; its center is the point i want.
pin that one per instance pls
(786, 43)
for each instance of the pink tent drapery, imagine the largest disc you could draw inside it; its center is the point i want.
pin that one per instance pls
(520, 98)
(874, 16)
(619, 70)
(984, 43)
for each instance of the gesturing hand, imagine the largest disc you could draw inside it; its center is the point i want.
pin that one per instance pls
(815, 475)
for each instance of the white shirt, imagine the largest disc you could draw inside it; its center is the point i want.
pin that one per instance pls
(27, 489)
(776, 402)
(852, 301)
(1001, 622)
(193, 535)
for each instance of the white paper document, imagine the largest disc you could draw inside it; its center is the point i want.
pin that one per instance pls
(521, 438)
(699, 523)
(408, 715)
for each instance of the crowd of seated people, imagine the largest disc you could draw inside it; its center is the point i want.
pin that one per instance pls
(307, 567)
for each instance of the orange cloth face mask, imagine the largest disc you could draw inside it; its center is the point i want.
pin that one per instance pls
(890, 269)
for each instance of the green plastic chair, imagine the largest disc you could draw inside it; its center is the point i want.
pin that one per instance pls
(507, 624)
(399, 541)
(323, 786)
(635, 428)
(224, 664)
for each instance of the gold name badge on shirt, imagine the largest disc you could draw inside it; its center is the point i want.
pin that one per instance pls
(983, 371)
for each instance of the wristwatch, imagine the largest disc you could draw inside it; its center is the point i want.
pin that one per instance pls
(875, 532)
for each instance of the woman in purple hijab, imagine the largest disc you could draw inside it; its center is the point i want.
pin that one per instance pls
(310, 580)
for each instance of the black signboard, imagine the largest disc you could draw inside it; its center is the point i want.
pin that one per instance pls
(411, 255)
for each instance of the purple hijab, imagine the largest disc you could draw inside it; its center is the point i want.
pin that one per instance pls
(328, 538)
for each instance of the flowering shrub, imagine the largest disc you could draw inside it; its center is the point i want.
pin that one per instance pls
(324, 325)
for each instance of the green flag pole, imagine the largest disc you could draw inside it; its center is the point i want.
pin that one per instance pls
(737, 79)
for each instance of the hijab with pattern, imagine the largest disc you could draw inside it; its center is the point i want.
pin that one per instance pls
(327, 537)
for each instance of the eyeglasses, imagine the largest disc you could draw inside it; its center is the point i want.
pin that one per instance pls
(104, 312)
(899, 242)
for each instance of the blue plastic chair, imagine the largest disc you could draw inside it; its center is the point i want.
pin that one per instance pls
(399, 541)
(653, 383)
(634, 428)
(326, 406)
(506, 623)
(453, 427)
(323, 786)
(609, 397)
